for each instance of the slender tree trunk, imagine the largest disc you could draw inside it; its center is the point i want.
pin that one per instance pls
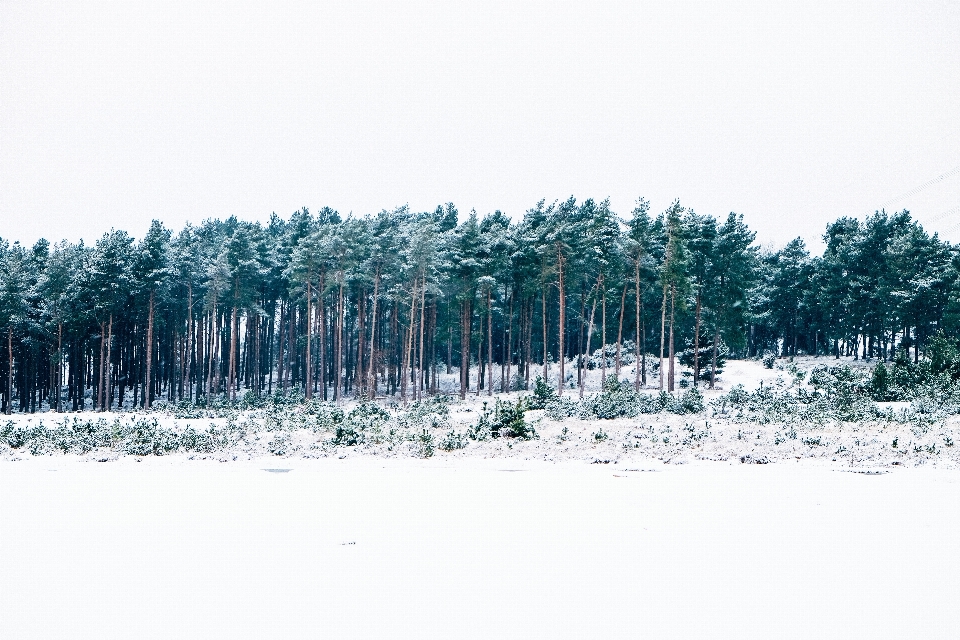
(466, 322)
(696, 344)
(59, 365)
(640, 361)
(489, 343)
(108, 387)
(423, 294)
(603, 333)
(508, 356)
(480, 360)
(527, 354)
(583, 362)
(190, 330)
(405, 373)
(308, 386)
(147, 389)
(9, 370)
(371, 373)
(673, 295)
(663, 330)
(231, 371)
(339, 362)
(543, 300)
(323, 338)
(713, 361)
(563, 306)
(103, 339)
(449, 342)
(623, 301)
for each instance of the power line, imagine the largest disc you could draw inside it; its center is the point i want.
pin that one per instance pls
(925, 185)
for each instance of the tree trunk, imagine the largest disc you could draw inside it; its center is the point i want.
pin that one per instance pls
(489, 343)
(623, 302)
(640, 360)
(543, 300)
(108, 387)
(603, 332)
(59, 365)
(423, 294)
(231, 371)
(466, 320)
(371, 373)
(663, 333)
(103, 336)
(713, 362)
(308, 386)
(505, 386)
(147, 389)
(673, 295)
(696, 344)
(338, 374)
(563, 305)
(9, 370)
(408, 345)
(583, 361)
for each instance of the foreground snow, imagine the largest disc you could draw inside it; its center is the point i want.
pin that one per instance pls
(164, 547)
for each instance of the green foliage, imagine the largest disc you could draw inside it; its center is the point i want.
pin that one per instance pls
(505, 420)
(423, 444)
(705, 359)
(453, 440)
(432, 413)
(543, 394)
(880, 383)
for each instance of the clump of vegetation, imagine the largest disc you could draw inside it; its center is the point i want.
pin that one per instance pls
(617, 399)
(506, 420)
(543, 394)
(453, 440)
(423, 445)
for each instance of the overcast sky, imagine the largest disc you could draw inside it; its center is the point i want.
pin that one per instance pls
(792, 113)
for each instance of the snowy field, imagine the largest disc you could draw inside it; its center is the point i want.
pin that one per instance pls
(371, 548)
(658, 529)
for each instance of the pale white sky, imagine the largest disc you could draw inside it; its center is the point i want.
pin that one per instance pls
(792, 113)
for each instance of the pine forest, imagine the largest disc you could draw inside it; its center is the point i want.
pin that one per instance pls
(405, 305)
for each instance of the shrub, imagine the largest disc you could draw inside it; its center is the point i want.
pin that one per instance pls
(768, 360)
(543, 394)
(508, 420)
(426, 413)
(562, 407)
(691, 401)
(423, 444)
(453, 440)
(347, 436)
(615, 400)
(280, 445)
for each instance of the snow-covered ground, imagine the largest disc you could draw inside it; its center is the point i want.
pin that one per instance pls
(670, 535)
(715, 434)
(164, 547)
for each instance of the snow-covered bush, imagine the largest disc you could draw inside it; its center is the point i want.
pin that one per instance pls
(769, 359)
(432, 413)
(453, 440)
(505, 420)
(543, 394)
(561, 408)
(423, 445)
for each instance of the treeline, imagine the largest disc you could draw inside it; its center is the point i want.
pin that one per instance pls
(333, 306)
